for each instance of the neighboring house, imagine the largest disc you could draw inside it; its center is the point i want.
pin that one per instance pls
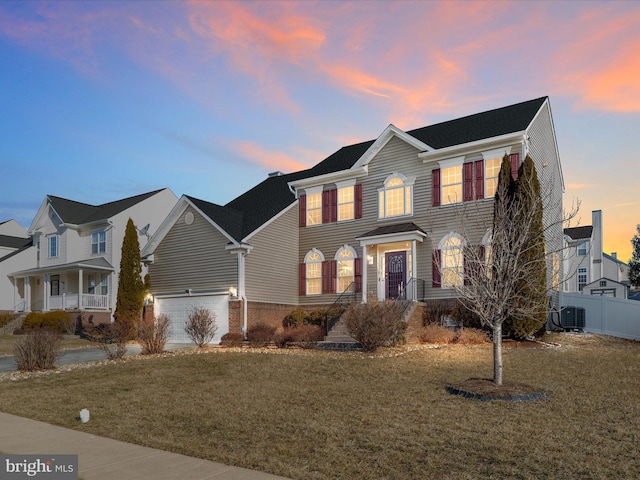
(16, 252)
(77, 253)
(374, 218)
(587, 265)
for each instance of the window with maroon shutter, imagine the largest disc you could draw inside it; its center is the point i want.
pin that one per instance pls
(467, 181)
(329, 273)
(479, 179)
(358, 200)
(357, 263)
(515, 164)
(333, 205)
(302, 280)
(435, 187)
(302, 206)
(435, 270)
(326, 206)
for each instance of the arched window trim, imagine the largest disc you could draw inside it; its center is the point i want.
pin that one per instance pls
(346, 247)
(407, 196)
(343, 281)
(442, 248)
(316, 279)
(311, 252)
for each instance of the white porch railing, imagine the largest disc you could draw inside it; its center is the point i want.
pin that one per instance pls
(70, 301)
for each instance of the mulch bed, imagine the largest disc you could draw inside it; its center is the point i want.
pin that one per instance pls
(485, 390)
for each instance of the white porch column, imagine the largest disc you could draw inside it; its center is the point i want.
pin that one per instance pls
(80, 306)
(45, 295)
(364, 274)
(27, 294)
(414, 268)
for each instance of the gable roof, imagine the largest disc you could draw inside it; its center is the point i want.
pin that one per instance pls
(579, 233)
(249, 211)
(78, 213)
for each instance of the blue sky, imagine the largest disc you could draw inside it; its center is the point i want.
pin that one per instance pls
(104, 100)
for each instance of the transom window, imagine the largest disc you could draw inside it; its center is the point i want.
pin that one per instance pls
(451, 184)
(98, 242)
(396, 196)
(582, 278)
(346, 267)
(314, 208)
(346, 203)
(313, 263)
(491, 174)
(53, 246)
(452, 260)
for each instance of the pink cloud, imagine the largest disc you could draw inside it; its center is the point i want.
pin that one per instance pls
(272, 160)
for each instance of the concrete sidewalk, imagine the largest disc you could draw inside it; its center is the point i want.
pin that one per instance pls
(102, 458)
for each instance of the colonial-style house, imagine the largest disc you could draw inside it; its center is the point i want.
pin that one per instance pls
(373, 220)
(77, 251)
(587, 268)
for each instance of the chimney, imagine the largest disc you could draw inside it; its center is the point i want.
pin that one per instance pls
(614, 255)
(596, 248)
(276, 174)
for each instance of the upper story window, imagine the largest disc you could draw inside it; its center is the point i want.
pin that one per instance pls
(396, 196)
(346, 203)
(582, 278)
(313, 272)
(314, 208)
(98, 242)
(451, 185)
(53, 246)
(582, 248)
(491, 174)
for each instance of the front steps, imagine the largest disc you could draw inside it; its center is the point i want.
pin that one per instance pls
(338, 339)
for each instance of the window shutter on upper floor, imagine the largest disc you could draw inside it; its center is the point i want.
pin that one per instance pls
(358, 200)
(479, 179)
(302, 206)
(302, 279)
(467, 181)
(515, 164)
(435, 187)
(326, 206)
(436, 278)
(357, 267)
(333, 205)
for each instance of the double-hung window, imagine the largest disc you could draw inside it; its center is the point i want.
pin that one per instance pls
(313, 272)
(53, 246)
(346, 267)
(98, 242)
(314, 208)
(452, 261)
(395, 198)
(582, 249)
(582, 278)
(346, 203)
(491, 174)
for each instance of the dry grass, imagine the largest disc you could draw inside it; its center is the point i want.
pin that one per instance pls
(7, 342)
(320, 415)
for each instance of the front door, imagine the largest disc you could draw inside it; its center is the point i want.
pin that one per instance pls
(395, 273)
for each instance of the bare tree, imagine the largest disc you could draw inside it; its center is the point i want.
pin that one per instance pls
(497, 282)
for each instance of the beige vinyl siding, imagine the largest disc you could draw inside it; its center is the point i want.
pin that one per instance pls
(271, 267)
(193, 256)
(542, 149)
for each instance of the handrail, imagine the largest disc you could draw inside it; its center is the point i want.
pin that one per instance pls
(347, 297)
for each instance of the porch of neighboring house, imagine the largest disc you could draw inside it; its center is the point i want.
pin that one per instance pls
(64, 287)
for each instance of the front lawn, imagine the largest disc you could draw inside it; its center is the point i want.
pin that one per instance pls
(322, 415)
(7, 341)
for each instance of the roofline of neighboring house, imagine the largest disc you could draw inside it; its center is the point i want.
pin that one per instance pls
(17, 251)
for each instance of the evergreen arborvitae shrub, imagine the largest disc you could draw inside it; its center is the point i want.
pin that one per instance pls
(131, 288)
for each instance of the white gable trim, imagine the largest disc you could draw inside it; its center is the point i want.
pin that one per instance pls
(42, 211)
(553, 132)
(499, 142)
(384, 138)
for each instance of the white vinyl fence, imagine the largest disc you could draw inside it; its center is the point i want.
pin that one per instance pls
(609, 316)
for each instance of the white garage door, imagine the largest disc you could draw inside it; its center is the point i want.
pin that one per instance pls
(179, 308)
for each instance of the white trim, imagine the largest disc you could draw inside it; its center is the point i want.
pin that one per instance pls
(313, 250)
(451, 235)
(452, 162)
(332, 177)
(346, 183)
(472, 147)
(393, 237)
(496, 153)
(348, 248)
(384, 138)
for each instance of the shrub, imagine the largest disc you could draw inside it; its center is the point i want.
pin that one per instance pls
(6, 319)
(435, 312)
(56, 321)
(375, 324)
(284, 337)
(232, 339)
(112, 338)
(295, 318)
(261, 334)
(305, 336)
(472, 336)
(38, 350)
(201, 326)
(434, 333)
(153, 334)
(465, 317)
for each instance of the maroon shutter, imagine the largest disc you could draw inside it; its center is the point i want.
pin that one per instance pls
(358, 199)
(326, 206)
(302, 279)
(333, 275)
(326, 276)
(467, 181)
(481, 253)
(435, 270)
(303, 210)
(479, 179)
(435, 187)
(466, 265)
(515, 164)
(357, 266)
(333, 200)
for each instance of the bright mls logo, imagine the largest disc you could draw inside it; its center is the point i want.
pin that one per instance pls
(50, 467)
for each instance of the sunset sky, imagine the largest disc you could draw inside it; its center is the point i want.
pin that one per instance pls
(104, 100)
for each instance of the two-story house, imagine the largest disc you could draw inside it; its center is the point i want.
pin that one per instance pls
(77, 253)
(386, 218)
(587, 268)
